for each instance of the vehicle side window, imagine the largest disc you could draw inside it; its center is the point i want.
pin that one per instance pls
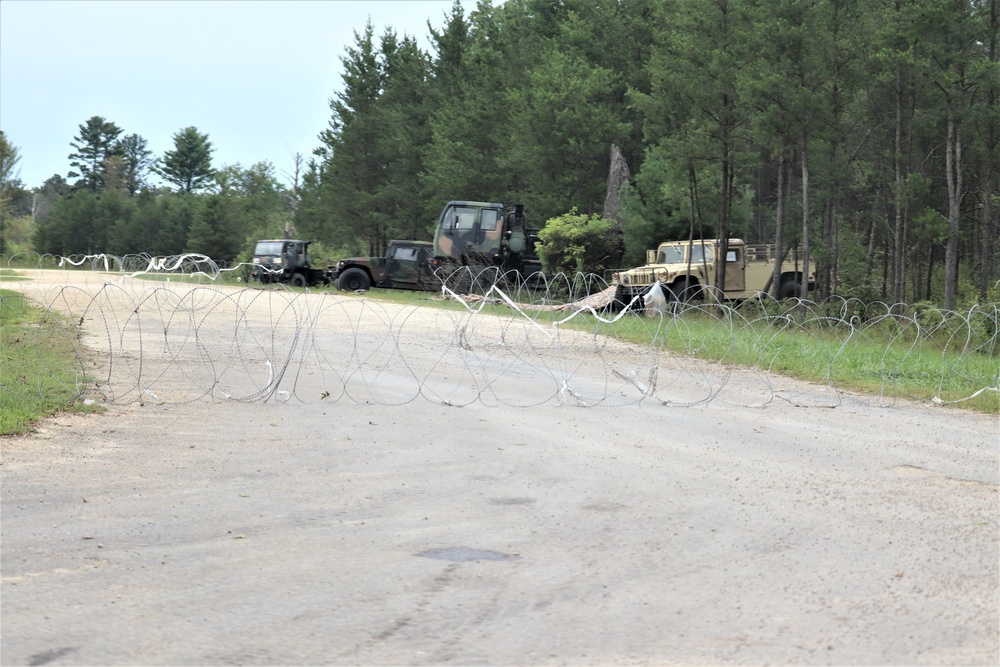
(405, 254)
(488, 223)
(465, 217)
(732, 255)
(699, 252)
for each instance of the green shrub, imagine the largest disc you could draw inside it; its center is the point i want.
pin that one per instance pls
(575, 243)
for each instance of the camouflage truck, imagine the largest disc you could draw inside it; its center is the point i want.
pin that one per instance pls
(685, 269)
(484, 235)
(406, 265)
(286, 261)
(477, 236)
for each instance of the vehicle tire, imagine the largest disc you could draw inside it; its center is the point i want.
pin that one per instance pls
(353, 280)
(789, 289)
(686, 291)
(623, 298)
(298, 280)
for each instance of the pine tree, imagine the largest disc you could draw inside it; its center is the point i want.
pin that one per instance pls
(96, 142)
(138, 161)
(189, 165)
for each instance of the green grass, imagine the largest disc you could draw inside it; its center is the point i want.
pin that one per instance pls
(900, 363)
(7, 274)
(224, 278)
(40, 371)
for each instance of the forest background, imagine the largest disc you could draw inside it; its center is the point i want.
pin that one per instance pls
(866, 131)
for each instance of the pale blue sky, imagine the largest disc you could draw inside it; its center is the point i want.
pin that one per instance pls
(255, 76)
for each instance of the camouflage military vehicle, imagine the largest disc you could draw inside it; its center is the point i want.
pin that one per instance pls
(483, 235)
(286, 261)
(406, 265)
(469, 235)
(686, 268)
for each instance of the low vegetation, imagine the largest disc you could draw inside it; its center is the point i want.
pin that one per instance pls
(892, 358)
(40, 364)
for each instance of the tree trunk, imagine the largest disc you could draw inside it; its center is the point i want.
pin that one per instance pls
(805, 215)
(726, 196)
(618, 179)
(834, 248)
(886, 254)
(953, 169)
(899, 230)
(870, 262)
(989, 226)
(930, 270)
(779, 224)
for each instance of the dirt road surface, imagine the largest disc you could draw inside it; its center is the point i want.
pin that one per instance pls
(292, 533)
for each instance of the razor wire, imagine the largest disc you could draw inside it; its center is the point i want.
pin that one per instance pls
(176, 329)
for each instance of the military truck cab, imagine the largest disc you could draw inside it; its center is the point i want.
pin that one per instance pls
(485, 234)
(282, 261)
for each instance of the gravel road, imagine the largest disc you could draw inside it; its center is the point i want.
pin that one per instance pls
(348, 532)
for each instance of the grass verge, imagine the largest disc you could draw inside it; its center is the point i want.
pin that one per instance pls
(40, 367)
(898, 360)
(8, 275)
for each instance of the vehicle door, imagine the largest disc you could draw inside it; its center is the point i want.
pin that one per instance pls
(403, 265)
(736, 279)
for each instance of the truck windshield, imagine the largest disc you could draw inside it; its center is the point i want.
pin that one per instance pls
(674, 254)
(670, 254)
(268, 248)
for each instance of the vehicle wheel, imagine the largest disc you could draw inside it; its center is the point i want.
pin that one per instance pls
(686, 291)
(264, 277)
(622, 299)
(789, 289)
(298, 280)
(353, 280)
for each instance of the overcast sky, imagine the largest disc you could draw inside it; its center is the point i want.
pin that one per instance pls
(255, 76)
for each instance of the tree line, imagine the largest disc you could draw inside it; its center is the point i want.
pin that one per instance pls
(111, 206)
(865, 132)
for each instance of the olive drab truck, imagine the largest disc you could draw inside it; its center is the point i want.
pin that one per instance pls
(471, 238)
(687, 271)
(484, 235)
(286, 261)
(406, 265)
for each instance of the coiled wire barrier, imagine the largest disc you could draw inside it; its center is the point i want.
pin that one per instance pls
(184, 328)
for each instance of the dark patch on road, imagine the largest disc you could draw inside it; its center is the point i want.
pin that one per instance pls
(466, 554)
(46, 657)
(512, 501)
(604, 506)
